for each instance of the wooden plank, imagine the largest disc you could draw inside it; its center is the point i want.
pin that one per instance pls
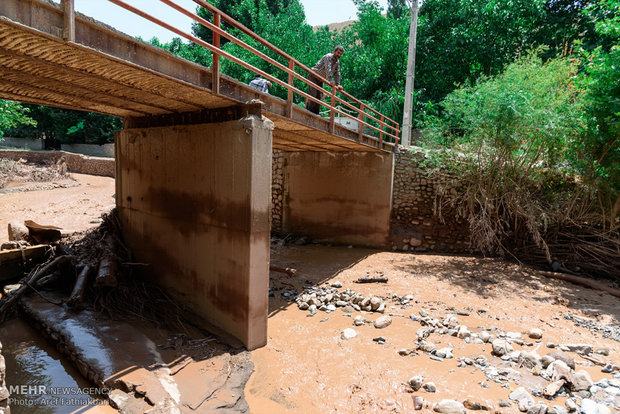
(12, 261)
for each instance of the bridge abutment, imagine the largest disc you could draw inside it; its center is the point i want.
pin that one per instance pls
(339, 197)
(194, 204)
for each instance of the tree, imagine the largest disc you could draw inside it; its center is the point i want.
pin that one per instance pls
(68, 126)
(13, 114)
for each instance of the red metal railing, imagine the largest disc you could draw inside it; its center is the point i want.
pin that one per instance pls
(387, 128)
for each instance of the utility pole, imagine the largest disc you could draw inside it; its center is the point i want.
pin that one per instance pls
(408, 109)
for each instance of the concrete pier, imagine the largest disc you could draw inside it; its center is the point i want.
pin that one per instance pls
(340, 197)
(194, 203)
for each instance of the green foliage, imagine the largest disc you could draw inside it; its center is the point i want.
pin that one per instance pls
(68, 126)
(510, 140)
(13, 114)
(599, 151)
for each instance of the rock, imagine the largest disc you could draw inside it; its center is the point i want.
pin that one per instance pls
(450, 321)
(341, 303)
(423, 313)
(375, 302)
(571, 404)
(501, 347)
(429, 387)
(522, 397)
(563, 356)
(535, 333)
(426, 346)
(582, 349)
(546, 360)
(505, 404)
(416, 382)
(463, 332)
(331, 308)
(530, 359)
(404, 352)
(558, 370)
(303, 305)
(445, 353)
(336, 284)
(589, 406)
(380, 339)
(383, 322)
(485, 336)
(553, 388)
(514, 335)
(424, 332)
(381, 308)
(556, 409)
(581, 381)
(348, 334)
(476, 406)
(359, 320)
(418, 402)
(608, 369)
(449, 407)
(537, 409)
(18, 231)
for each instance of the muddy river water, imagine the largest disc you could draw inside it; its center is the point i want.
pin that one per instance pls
(40, 379)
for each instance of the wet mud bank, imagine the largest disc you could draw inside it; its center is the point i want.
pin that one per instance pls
(140, 368)
(445, 333)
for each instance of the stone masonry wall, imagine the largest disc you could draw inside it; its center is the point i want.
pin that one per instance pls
(414, 224)
(277, 190)
(76, 163)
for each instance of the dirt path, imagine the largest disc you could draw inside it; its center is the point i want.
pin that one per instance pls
(73, 209)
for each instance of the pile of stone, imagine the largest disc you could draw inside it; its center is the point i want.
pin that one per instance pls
(328, 298)
(4, 392)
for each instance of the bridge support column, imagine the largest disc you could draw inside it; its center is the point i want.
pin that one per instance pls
(340, 197)
(193, 203)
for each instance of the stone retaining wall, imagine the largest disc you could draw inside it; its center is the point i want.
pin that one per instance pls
(76, 163)
(277, 190)
(415, 226)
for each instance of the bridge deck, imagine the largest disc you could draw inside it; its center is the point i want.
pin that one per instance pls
(108, 72)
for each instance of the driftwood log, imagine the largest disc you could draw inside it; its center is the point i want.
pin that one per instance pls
(76, 300)
(582, 282)
(372, 279)
(289, 271)
(31, 281)
(106, 275)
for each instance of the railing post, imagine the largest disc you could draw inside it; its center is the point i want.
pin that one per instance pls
(382, 124)
(68, 31)
(332, 113)
(289, 99)
(360, 126)
(215, 68)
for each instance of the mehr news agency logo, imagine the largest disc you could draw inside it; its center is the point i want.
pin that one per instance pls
(44, 395)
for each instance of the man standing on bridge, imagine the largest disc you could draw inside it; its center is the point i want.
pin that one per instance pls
(327, 67)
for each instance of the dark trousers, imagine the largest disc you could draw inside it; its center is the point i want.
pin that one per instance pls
(313, 106)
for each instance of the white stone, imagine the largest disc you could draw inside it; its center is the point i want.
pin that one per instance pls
(383, 322)
(449, 407)
(535, 333)
(348, 334)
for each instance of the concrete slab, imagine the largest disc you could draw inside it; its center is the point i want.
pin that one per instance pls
(132, 361)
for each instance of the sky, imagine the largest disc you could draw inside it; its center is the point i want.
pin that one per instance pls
(318, 12)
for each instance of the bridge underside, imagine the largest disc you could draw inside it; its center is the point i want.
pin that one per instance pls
(193, 168)
(110, 73)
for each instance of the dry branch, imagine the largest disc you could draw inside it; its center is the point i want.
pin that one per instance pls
(31, 281)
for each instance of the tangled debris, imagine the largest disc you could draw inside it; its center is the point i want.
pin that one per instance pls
(21, 172)
(95, 271)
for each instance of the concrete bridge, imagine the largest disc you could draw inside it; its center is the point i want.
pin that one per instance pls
(193, 171)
